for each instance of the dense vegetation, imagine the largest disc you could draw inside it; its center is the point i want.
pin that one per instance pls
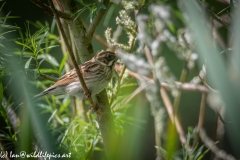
(174, 93)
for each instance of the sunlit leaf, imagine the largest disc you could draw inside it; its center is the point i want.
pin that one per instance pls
(43, 36)
(28, 63)
(49, 47)
(24, 45)
(39, 32)
(49, 59)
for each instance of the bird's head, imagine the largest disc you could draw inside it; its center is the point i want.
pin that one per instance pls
(106, 58)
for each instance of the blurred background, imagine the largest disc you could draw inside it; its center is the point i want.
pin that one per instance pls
(166, 32)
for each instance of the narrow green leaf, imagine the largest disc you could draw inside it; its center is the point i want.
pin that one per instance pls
(48, 71)
(9, 26)
(35, 74)
(49, 59)
(21, 34)
(24, 45)
(8, 17)
(2, 46)
(63, 62)
(49, 47)
(202, 155)
(7, 32)
(42, 37)
(3, 5)
(39, 64)
(223, 10)
(39, 32)
(53, 26)
(28, 63)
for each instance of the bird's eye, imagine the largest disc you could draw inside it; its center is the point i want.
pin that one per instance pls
(109, 56)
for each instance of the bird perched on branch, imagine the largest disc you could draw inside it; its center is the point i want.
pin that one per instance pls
(96, 72)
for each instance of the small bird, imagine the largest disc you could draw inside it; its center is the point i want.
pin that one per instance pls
(96, 72)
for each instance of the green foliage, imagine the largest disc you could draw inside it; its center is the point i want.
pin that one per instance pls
(36, 47)
(91, 6)
(161, 47)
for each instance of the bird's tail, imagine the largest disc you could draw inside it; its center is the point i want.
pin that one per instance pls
(40, 94)
(50, 91)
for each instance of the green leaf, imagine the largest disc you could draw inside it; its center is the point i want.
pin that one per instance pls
(49, 47)
(2, 46)
(48, 71)
(41, 62)
(28, 63)
(49, 59)
(39, 32)
(8, 17)
(101, 5)
(43, 36)
(24, 45)
(63, 62)
(35, 74)
(2, 5)
(53, 25)
(7, 32)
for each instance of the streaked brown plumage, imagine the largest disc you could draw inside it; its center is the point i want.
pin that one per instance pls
(96, 72)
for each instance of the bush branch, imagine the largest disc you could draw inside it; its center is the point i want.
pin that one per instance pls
(96, 20)
(212, 146)
(79, 74)
(202, 110)
(173, 117)
(49, 11)
(182, 86)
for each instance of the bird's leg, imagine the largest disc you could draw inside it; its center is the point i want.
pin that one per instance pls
(86, 96)
(94, 108)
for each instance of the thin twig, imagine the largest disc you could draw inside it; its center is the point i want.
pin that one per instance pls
(174, 118)
(214, 16)
(178, 97)
(205, 83)
(148, 56)
(96, 20)
(79, 74)
(202, 110)
(49, 11)
(103, 42)
(212, 146)
(182, 86)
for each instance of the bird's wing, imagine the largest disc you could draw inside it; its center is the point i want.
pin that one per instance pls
(67, 78)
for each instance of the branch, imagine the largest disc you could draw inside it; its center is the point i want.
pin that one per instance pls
(182, 86)
(49, 11)
(202, 110)
(96, 20)
(79, 74)
(212, 146)
(219, 20)
(173, 117)
(85, 52)
(103, 42)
